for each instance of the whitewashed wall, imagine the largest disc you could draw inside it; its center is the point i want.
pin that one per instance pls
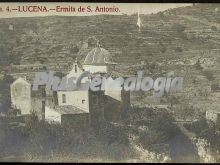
(51, 116)
(95, 69)
(75, 98)
(114, 94)
(21, 95)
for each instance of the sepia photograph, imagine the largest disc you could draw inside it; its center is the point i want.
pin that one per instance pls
(110, 82)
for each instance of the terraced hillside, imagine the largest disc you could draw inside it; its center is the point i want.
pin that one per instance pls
(173, 34)
(185, 40)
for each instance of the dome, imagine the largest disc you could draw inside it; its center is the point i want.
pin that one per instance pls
(98, 56)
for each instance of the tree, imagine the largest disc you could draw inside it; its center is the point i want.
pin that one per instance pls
(179, 28)
(173, 100)
(4, 56)
(214, 28)
(209, 75)
(92, 41)
(198, 65)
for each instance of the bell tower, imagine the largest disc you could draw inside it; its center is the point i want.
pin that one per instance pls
(96, 108)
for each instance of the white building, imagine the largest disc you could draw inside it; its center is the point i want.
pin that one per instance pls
(63, 106)
(98, 60)
(59, 113)
(21, 95)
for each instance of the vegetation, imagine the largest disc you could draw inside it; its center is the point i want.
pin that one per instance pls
(179, 28)
(214, 28)
(141, 128)
(209, 75)
(43, 141)
(5, 99)
(208, 142)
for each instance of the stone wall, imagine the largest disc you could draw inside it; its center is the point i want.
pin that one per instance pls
(78, 122)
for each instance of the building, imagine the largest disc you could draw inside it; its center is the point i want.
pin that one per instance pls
(70, 116)
(21, 96)
(99, 60)
(85, 107)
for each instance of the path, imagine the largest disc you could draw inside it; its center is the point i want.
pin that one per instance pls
(182, 148)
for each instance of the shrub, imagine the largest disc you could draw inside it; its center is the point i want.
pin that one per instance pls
(179, 28)
(214, 28)
(110, 133)
(178, 49)
(204, 151)
(151, 137)
(209, 75)
(198, 65)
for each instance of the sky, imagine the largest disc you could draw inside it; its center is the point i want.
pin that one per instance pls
(125, 8)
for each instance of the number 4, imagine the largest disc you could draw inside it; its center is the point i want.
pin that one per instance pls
(8, 9)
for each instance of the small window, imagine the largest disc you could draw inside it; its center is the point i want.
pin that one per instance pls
(43, 106)
(63, 98)
(95, 99)
(75, 68)
(83, 101)
(43, 92)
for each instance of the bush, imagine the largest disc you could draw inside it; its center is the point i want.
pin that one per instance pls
(92, 41)
(209, 75)
(198, 65)
(151, 137)
(110, 133)
(173, 100)
(178, 49)
(214, 28)
(197, 127)
(179, 28)
(204, 151)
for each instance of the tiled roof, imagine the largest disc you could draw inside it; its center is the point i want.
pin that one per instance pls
(69, 109)
(98, 56)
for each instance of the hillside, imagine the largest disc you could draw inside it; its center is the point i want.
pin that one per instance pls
(174, 40)
(181, 42)
(164, 35)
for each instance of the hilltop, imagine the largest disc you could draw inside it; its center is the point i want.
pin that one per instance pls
(165, 35)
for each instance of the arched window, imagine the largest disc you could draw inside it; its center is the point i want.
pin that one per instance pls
(63, 98)
(75, 68)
